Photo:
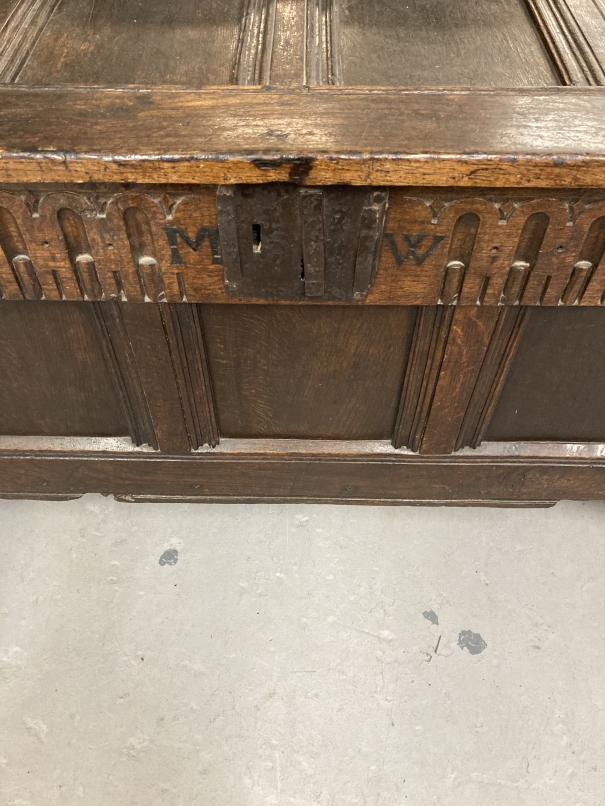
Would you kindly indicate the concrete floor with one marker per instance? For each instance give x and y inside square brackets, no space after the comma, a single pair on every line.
[164,655]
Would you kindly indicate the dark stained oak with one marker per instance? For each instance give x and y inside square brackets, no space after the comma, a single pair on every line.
[303,250]
[555,390]
[131,42]
[389,480]
[315,373]
[283,242]
[573,32]
[53,377]
[527,138]
[428,43]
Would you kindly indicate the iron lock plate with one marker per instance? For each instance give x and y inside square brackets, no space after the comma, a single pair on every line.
[285,242]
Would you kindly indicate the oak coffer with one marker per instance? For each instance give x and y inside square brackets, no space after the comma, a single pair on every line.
[303,250]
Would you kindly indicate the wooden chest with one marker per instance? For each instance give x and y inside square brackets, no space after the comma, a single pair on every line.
[303,250]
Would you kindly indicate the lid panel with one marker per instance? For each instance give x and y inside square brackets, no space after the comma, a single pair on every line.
[430,43]
[186,43]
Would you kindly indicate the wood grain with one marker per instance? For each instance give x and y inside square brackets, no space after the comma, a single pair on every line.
[121,362]
[468,312]
[288,44]
[145,336]
[317,372]
[20,31]
[529,138]
[386,480]
[555,388]
[429,43]
[463,358]
[569,41]
[187,43]
[54,378]
[185,338]
[451,349]
[499,357]
[431,332]
[323,56]
[254,45]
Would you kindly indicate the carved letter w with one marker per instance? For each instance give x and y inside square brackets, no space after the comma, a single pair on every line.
[174,233]
[413,242]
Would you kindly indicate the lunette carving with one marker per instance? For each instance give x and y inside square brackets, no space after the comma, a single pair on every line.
[524,251]
[164,245]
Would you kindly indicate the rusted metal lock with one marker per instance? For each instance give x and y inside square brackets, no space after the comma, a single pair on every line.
[284,242]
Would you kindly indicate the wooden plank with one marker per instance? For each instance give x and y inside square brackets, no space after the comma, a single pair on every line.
[288,44]
[323,57]
[459,361]
[496,365]
[124,372]
[183,328]
[469,338]
[54,380]
[387,480]
[590,16]
[533,138]
[560,453]
[450,350]
[431,332]
[254,43]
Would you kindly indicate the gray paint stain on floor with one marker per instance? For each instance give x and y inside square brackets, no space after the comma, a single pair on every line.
[169,557]
[431,616]
[471,641]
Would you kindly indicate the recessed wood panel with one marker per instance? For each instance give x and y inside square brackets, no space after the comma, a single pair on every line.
[188,43]
[555,389]
[53,376]
[491,43]
[321,372]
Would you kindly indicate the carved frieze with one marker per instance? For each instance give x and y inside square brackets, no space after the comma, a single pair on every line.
[166,245]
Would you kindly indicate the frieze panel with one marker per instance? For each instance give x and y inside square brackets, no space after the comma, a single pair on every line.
[128,246]
[503,251]
[162,245]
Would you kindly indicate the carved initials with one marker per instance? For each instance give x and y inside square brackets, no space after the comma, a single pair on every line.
[413,241]
[174,233]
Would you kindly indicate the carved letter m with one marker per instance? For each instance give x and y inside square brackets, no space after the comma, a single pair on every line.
[174,233]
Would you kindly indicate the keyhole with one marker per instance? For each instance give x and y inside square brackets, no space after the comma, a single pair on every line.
[302,269]
[256,238]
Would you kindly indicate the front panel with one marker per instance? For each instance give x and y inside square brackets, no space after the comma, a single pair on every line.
[320,250]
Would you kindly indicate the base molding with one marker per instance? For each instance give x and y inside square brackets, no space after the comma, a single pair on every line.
[401,502]
[505,476]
